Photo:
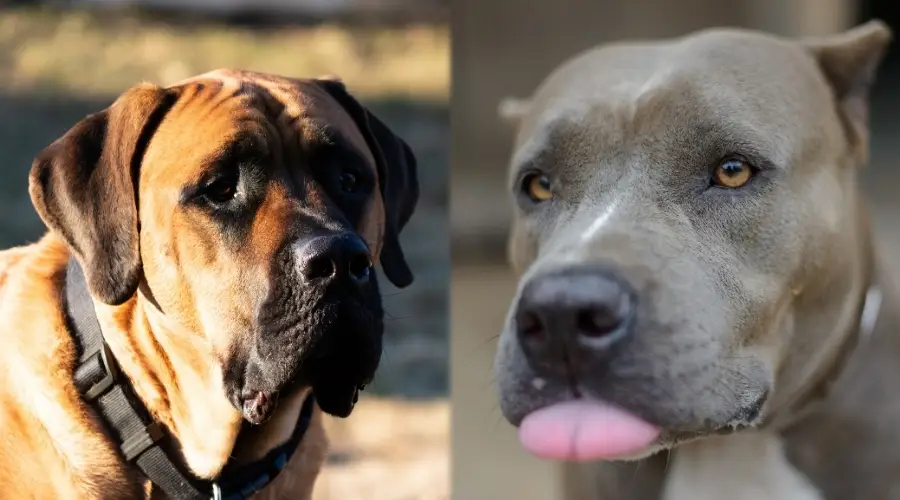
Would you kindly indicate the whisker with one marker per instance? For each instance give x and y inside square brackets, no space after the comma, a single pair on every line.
[400,318]
[637,469]
[488,387]
[499,420]
[487,343]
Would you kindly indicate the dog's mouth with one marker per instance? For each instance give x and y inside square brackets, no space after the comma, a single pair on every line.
[336,381]
[337,389]
[327,340]
[342,365]
[258,406]
[579,428]
[586,429]
[339,403]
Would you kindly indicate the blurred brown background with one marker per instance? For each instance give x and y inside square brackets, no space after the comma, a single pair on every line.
[60,60]
[504,48]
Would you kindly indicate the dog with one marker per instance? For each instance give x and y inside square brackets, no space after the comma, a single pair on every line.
[221,233]
[699,311]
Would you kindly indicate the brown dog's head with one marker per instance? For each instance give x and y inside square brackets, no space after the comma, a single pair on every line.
[248,209]
[690,236]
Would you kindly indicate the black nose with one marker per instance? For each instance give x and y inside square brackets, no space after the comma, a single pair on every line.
[334,257]
[573,316]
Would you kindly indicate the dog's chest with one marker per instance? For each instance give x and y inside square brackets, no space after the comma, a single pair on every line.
[849,447]
[745,466]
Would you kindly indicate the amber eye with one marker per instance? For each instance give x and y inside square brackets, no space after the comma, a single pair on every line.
[537,187]
[732,173]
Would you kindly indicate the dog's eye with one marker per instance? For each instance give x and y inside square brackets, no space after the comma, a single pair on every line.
[349,181]
[222,189]
[537,187]
[732,173]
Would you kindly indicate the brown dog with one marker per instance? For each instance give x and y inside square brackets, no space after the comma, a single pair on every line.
[226,228]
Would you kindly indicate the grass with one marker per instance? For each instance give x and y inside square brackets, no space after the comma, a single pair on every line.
[91,54]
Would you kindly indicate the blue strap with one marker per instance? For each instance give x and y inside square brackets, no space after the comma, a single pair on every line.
[241,484]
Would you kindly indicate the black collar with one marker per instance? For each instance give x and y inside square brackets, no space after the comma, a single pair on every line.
[143,442]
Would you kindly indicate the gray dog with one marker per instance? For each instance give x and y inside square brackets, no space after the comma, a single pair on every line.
[699,292]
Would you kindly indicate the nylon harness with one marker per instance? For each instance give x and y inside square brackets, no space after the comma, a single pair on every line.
[144,443]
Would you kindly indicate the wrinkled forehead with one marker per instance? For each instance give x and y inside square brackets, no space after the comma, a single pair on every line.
[225,110]
[715,86]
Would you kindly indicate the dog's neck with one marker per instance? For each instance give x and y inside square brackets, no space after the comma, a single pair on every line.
[175,374]
[700,469]
[828,328]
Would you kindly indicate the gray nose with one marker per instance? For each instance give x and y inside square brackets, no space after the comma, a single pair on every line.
[335,257]
[573,317]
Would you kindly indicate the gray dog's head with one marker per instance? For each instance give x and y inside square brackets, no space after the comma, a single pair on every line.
[683,208]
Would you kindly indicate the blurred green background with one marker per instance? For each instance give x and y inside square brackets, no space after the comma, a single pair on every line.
[57,64]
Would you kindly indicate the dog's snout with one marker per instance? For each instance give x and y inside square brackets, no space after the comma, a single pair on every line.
[573,315]
[341,256]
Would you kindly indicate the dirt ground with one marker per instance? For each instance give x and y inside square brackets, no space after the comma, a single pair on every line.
[389,450]
[55,68]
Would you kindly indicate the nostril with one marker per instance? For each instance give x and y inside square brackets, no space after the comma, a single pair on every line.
[360,267]
[319,267]
[531,326]
[571,322]
[340,257]
[597,322]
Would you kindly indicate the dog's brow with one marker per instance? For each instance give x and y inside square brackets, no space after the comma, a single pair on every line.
[328,141]
[553,132]
[325,135]
[725,142]
[531,154]
[243,147]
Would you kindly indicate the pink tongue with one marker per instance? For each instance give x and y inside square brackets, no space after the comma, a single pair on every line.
[585,430]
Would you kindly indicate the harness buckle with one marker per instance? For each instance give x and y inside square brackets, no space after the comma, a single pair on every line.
[109,378]
[139,442]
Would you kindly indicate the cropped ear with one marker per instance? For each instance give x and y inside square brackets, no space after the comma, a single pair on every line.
[849,61]
[397,178]
[84,187]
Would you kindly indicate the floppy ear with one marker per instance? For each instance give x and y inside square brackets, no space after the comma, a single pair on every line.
[397,178]
[849,61]
[84,187]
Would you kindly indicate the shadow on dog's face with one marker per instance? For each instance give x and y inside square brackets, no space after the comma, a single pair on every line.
[262,205]
[671,201]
